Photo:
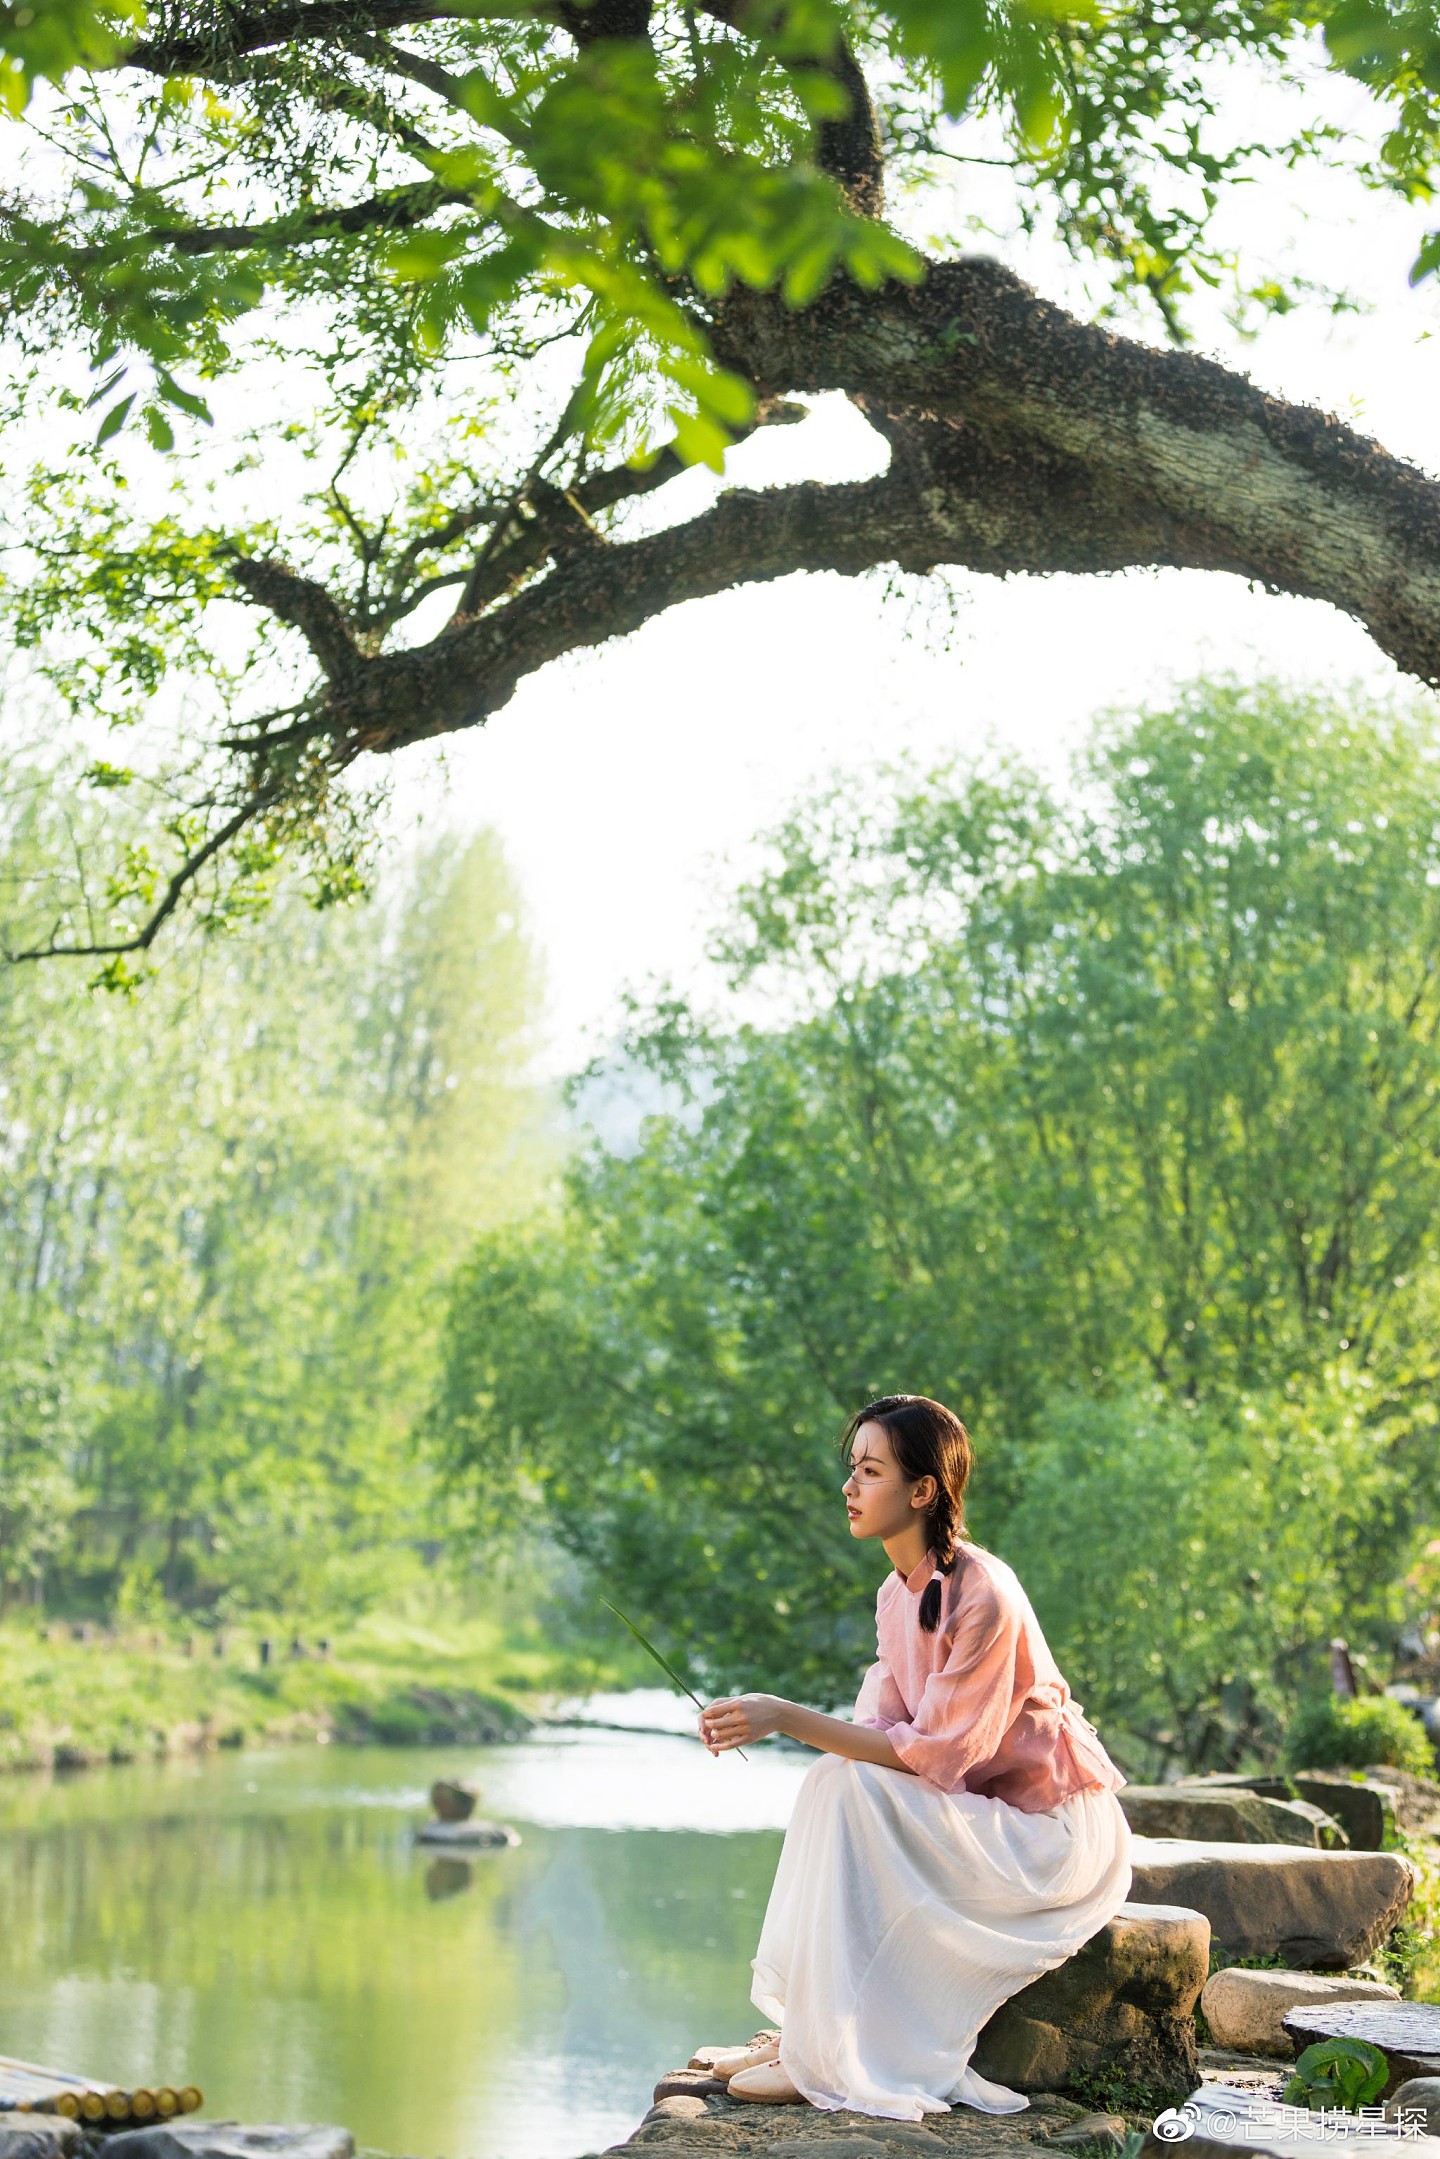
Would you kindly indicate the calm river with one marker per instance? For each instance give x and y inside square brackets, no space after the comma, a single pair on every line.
[262,1925]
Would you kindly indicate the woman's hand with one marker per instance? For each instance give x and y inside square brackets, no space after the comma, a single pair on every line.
[738,1718]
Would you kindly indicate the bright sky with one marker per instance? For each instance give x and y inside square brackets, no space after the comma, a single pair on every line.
[628,782]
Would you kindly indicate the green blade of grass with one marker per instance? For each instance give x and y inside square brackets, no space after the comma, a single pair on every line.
[668,1669]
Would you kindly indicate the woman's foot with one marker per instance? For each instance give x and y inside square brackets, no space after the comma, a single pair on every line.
[736,2059]
[767,2086]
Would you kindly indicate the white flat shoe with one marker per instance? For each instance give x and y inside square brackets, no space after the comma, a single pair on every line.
[738,2059]
[766,2086]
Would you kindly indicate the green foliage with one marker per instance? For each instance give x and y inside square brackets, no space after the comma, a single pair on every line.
[426,277]
[1355,1734]
[1111,1123]
[1407,1957]
[226,1208]
[1112,2090]
[385,1680]
[48,39]
[1346,2073]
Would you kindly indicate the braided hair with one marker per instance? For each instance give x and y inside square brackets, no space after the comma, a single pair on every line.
[928,1440]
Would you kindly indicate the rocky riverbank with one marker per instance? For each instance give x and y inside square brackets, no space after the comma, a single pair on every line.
[1267,1932]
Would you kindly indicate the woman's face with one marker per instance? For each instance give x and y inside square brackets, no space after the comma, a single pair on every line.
[880,1499]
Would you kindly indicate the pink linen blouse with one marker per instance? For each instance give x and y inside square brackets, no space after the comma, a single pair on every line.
[979,1705]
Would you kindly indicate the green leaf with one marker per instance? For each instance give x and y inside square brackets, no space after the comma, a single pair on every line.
[97,397]
[114,420]
[716,390]
[699,440]
[184,400]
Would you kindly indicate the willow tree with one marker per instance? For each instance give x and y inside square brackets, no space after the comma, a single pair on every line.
[464,287]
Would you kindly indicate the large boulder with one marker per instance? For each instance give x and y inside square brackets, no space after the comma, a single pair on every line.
[1227,1817]
[1245,2009]
[1323,1911]
[1125,2000]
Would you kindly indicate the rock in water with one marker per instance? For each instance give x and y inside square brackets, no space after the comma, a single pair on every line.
[38,2136]
[1126,2001]
[453,1798]
[467,1836]
[1244,2009]
[229,2140]
[1322,1911]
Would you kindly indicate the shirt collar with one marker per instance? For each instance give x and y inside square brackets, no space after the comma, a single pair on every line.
[917,1580]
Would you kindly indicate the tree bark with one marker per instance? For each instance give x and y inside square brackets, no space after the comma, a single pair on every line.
[1021,440]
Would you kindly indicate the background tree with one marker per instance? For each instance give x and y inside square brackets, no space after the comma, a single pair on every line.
[465,288]
[225,1212]
[1116,1123]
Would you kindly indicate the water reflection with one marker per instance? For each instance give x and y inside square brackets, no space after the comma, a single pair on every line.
[263,1925]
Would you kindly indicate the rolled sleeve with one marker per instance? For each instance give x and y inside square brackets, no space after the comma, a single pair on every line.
[968,1705]
[879,1702]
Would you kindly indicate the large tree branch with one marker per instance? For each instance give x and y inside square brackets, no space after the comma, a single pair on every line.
[242,30]
[1021,440]
[1051,444]
[540,521]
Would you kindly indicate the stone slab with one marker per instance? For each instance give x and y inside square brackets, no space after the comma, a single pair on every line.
[38,2136]
[230,2140]
[1245,2009]
[732,2130]
[1324,1911]
[1407,2033]
[1228,1815]
[1365,1803]
[1368,1807]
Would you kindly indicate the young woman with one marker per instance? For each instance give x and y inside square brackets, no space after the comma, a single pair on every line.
[962,1835]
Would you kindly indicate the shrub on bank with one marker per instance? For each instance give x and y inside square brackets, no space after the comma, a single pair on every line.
[1330,1731]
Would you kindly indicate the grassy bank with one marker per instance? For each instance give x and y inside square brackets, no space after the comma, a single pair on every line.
[67,1701]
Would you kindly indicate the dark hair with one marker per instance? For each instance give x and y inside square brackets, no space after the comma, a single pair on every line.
[928,1440]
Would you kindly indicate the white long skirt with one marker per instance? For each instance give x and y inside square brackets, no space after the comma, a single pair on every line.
[901,1918]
